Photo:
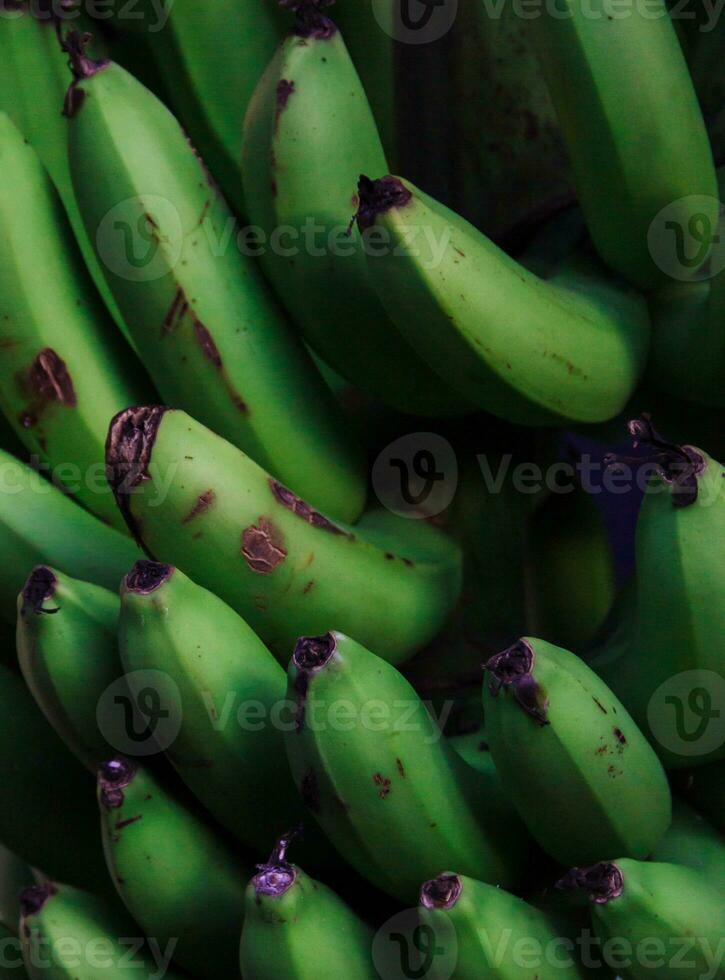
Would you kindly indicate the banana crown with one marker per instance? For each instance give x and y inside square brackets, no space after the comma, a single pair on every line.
[603,882]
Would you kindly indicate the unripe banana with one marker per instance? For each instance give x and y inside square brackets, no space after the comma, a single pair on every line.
[625,118]
[483,931]
[705,789]
[176,876]
[670,919]
[692,842]
[529,350]
[64,372]
[389,793]
[40,525]
[68,654]
[69,934]
[580,773]
[46,798]
[308,132]
[229,748]
[207,327]
[33,81]
[679,624]
[199,503]
[297,927]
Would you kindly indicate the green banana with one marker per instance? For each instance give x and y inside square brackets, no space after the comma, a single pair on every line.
[39,524]
[680,619]
[657,920]
[205,323]
[46,798]
[705,789]
[176,876]
[229,752]
[308,131]
[68,654]
[33,81]
[691,841]
[627,108]
[297,927]
[68,934]
[529,350]
[391,796]
[199,503]
[570,758]
[688,338]
[63,371]
[571,573]
[476,930]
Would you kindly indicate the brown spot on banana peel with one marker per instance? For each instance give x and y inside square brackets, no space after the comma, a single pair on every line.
[298,506]
[208,348]
[263,547]
[603,882]
[40,585]
[202,504]
[512,669]
[679,466]
[285,89]
[383,784]
[113,777]
[46,382]
[75,45]
[130,443]
[176,312]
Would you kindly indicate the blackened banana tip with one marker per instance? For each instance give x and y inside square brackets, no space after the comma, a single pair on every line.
[310,20]
[441,893]
[147,576]
[75,45]
[512,669]
[603,882]
[276,876]
[378,196]
[314,652]
[113,776]
[33,898]
[130,442]
[40,586]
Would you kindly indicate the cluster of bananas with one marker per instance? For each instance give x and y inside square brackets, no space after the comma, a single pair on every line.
[237,522]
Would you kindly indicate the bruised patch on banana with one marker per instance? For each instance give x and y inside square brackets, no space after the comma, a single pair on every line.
[40,586]
[298,506]
[285,89]
[130,442]
[263,546]
[203,503]
[603,882]
[113,777]
[512,669]
[33,898]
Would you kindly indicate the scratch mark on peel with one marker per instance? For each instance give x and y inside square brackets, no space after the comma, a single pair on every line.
[203,503]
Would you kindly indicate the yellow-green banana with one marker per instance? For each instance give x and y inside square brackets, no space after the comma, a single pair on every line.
[693,842]
[206,325]
[68,654]
[70,934]
[64,372]
[580,773]
[308,132]
[476,930]
[530,350]
[33,81]
[199,503]
[39,524]
[229,748]
[297,927]
[669,673]
[175,874]
[372,767]
[46,798]
[627,108]
[657,921]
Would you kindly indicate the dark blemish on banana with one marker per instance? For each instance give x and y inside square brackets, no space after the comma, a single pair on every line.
[600,705]
[285,88]
[47,382]
[383,785]
[176,313]
[203,503]
[400,767]
[298,506]
[208,348]
[126,823]
[263,547]
[309,586]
